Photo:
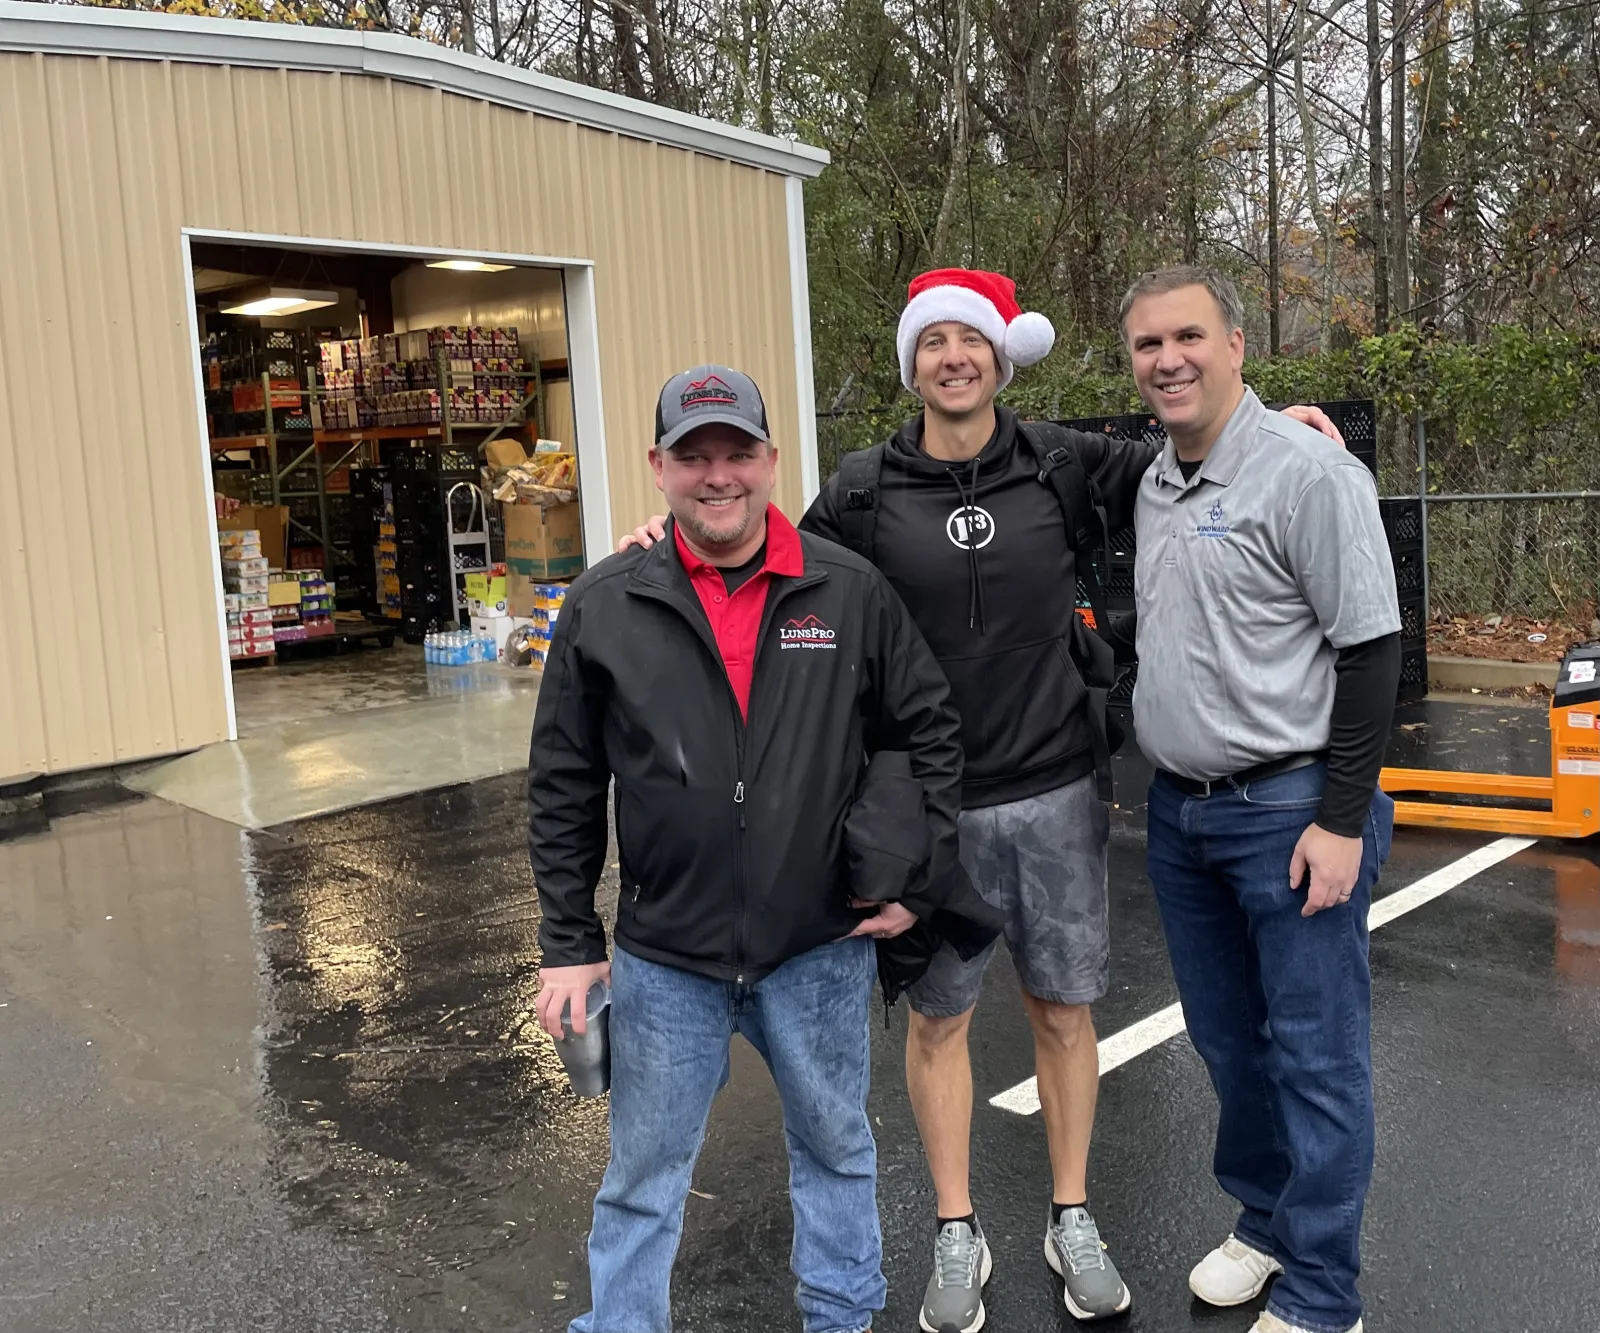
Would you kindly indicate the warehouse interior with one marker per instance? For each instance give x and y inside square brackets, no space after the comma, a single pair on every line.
[375,424]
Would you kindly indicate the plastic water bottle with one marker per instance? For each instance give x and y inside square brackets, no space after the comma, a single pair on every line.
[430,652]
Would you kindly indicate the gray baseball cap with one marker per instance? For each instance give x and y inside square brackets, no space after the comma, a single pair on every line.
[706,396]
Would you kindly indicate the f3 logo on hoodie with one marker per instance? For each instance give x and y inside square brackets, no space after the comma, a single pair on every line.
[970,527]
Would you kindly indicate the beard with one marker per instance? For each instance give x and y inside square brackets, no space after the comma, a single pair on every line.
[708,536]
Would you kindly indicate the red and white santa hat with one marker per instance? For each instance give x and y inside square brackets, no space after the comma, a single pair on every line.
[983,301]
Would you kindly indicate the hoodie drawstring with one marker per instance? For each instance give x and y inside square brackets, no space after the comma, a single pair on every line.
[975,618]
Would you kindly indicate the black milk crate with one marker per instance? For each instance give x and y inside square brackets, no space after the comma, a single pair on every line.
[1124,544]
[1413,619]
[1408,573]
[1129,425]
[1413,675]
[1119,585]
[1402,521]
[1357,420]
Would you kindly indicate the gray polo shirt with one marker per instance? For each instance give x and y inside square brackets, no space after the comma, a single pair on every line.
[1250,577]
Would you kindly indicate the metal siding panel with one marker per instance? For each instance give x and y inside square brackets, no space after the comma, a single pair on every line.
[374,161]
[514,170]
[424,167]
[624,374]
[475,185]
[264,143]
[116,509]
[322,155]
[563,196]
[73,689]
[171,537]
[204,123]
[24,747]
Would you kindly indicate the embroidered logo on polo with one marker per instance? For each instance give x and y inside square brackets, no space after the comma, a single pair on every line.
[970,527]
[809,632]
[1216,524]
[703,393]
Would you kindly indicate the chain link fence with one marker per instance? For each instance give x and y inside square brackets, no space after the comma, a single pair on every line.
[1513,528]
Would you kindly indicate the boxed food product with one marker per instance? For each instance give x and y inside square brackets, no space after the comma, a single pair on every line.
[543,542]
[244,566]
[486,593]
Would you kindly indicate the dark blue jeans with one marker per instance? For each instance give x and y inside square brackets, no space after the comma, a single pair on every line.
[670,1032]
[1279,1006]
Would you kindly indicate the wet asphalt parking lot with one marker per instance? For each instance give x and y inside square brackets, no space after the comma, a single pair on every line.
[289,1080]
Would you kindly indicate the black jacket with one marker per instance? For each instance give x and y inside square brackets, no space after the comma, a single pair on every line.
[978,551]
[733,855]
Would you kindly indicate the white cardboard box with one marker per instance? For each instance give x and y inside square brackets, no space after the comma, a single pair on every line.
[496,627]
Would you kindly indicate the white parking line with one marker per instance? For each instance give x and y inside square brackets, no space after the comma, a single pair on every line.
[1147,1033]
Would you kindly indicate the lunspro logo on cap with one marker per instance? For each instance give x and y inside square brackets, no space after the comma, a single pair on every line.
[709,395]
[703,393]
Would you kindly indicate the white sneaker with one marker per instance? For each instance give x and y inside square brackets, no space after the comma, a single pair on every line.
[1270,1323]
[1233,1274]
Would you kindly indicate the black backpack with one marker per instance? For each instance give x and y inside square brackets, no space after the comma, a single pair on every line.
[1083,512]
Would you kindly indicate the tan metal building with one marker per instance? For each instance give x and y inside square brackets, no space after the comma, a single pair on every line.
[127,136]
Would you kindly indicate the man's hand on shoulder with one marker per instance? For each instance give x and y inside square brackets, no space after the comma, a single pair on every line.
[1333,863]
[1317,419]
[646,534]
[561,986]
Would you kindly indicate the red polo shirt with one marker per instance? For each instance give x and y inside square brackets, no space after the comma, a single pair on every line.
[736,617]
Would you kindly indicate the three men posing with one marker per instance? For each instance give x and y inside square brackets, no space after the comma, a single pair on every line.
[966,533]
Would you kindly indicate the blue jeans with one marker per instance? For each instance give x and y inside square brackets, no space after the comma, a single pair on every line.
[1279,1006]
[670,1035]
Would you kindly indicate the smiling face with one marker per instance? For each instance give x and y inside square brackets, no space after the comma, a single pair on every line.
[717,481]
[957,374]
[1186,362]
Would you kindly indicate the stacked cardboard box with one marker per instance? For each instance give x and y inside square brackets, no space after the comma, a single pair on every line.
[283,595]
[316,603]
[244,580]
[393,379]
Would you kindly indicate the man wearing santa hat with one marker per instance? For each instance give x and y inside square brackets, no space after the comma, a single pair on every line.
[958,513]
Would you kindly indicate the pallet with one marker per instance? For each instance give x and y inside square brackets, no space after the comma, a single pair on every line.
[253,660]
[341,641]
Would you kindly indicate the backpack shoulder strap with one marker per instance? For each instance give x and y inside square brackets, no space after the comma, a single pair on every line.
[1061,468]
[859,472]
[1088,533]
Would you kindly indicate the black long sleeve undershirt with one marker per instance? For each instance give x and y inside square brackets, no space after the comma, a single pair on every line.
[1363,711]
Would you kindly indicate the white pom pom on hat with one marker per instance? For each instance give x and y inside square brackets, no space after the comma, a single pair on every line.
[981,300]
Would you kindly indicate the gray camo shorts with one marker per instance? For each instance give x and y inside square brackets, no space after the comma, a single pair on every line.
[1042,862]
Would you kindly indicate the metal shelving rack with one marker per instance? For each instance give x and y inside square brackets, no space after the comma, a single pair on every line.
[441,433]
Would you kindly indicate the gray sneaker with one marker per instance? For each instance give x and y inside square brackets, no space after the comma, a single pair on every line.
[953,1302]
[1073,1248]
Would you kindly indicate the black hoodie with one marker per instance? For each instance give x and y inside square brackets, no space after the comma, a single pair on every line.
[978,552]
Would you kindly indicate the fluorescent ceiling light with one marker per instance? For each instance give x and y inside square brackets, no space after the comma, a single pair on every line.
[281,301]
[468,265]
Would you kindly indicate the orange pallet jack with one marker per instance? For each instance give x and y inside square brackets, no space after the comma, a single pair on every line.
[1572,790]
